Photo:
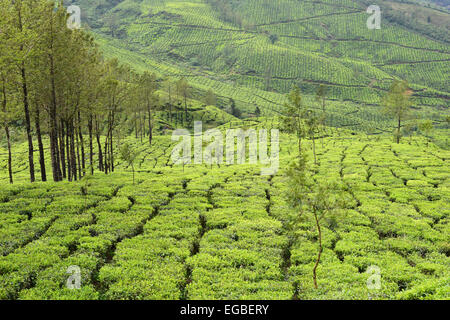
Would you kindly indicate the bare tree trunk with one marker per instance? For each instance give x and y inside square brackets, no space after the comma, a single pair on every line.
[73,159]
[80,134]
[150,128]
[62,147]
[54,147]
[57,157]
[143,130]
[54,153]
[106,153]
[398,130]
[108,144]
[9,155]
[77,143]
[111,151]
[69,160]
[26,106]
[320,250]
[91,147]
[40,144]
[28,123]
[111,148]
[100,153]
[11,180]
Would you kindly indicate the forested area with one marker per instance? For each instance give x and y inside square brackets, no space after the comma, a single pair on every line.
[55,82]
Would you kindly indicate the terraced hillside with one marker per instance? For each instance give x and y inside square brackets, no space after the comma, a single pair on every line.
[367,210]
[255,50]
[200,232]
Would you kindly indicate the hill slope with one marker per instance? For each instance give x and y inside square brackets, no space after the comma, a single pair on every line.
[197,232]
[272,45]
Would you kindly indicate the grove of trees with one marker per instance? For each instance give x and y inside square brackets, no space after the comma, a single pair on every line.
[55,82]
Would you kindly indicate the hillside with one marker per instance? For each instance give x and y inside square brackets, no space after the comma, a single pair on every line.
[200,232]
[255,51]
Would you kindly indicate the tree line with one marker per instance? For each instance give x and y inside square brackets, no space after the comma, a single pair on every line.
[55,81]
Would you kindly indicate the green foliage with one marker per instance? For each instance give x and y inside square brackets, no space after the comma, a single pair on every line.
[128,154]
[229,233]
[226,232]
[397,103]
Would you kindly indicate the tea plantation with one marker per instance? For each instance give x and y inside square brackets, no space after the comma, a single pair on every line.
[224,232]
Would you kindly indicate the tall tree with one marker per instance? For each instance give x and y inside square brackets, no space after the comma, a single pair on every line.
[25,19]
[314,201]
[37,124]
[292,116]
[168,85]
[147,83]
[184,90]
[115,88]
[397,103]
[53,43]
[5,115]
[7,76]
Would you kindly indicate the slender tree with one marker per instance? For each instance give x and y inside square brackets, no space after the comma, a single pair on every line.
[397,104]
[147,84]
[129,154]
[4,116]
[7,77]
[426,127]
[184,90]
[311,126]
[24,20]
[292,116]
[314,201]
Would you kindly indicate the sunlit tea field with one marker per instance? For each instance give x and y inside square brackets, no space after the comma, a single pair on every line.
[223,232]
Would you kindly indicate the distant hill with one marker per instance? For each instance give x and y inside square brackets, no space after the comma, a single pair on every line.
[443,3]
[255,50]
